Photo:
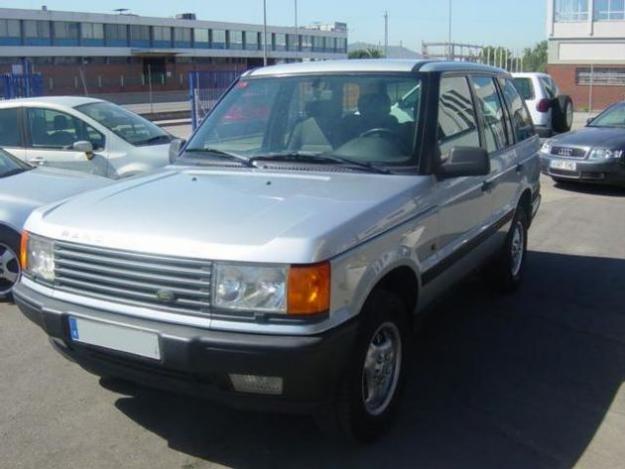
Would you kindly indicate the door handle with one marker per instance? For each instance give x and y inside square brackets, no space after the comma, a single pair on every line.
[37,160]
[487,186]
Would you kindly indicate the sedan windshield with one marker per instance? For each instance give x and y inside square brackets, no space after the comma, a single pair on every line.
[363,121]
[9,165]
[127,125]
[612,117]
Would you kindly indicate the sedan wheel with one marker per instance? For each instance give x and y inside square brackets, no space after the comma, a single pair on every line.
[9,270]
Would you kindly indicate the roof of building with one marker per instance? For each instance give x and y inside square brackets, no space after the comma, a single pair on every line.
[371,65]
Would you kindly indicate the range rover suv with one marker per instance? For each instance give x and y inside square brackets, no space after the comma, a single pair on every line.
[281,262]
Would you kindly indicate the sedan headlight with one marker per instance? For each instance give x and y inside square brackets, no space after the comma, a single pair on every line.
[605,154]
[546,148]
[293,290]
[37,257]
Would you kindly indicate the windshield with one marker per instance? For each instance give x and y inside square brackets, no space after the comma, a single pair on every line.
[612,117]
[127,125]
[9,165]
[360,119]
[524,87]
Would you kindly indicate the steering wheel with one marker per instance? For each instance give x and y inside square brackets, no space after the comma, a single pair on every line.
[382,132]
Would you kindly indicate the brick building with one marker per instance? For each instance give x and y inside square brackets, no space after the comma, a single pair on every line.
[112,53]
[587,50]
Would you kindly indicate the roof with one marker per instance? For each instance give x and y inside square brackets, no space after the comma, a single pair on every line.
[371,65]
[67,101]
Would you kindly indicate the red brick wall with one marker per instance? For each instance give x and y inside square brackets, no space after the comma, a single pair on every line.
[602,96]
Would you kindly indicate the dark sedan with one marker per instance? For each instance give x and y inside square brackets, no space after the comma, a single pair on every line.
[595,153]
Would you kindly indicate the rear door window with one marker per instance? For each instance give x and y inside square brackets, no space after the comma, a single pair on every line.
[519,115]
[492,109]
[457,123]
[9,128]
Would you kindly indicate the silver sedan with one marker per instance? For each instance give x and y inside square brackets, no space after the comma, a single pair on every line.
[22,189]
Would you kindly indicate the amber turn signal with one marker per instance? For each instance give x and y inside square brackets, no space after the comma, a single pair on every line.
[24,250]
[309,289]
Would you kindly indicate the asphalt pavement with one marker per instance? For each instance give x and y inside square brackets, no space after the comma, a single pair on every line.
[533,380]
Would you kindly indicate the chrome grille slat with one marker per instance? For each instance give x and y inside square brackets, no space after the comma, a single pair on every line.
[73,266]
[159,282]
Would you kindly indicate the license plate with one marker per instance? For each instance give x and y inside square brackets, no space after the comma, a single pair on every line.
[563,165]
[115,337]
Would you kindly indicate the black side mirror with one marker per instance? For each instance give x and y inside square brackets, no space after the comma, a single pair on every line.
[590,120]
[174,148]
[465,161]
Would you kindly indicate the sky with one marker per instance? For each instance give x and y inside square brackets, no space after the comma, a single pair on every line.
[511,23]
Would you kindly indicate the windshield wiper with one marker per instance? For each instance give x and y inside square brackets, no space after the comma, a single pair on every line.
[319,158]
[226,154]
[156,138]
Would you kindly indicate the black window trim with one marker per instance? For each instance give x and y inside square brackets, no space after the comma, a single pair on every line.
[27,141]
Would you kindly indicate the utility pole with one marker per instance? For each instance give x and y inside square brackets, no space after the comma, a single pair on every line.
[450,53]
[296,28]
[265,33]
[386,34]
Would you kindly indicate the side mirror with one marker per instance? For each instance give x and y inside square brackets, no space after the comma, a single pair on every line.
[590,120]
[174,148]
[84,147]
[465,161]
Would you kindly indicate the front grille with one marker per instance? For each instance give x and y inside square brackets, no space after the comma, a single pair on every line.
[569,152]
[160,282]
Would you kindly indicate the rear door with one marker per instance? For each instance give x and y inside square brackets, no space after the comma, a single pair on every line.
[504,178]
[51,135]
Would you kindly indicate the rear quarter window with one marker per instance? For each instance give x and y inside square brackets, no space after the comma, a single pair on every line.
[9,128]
[525,88]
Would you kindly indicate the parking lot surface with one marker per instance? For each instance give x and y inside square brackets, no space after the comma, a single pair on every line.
[531,380]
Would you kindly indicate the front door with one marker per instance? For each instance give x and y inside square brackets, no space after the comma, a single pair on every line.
[51,135]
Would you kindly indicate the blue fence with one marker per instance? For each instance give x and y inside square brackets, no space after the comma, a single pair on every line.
[20,86]
[205,89]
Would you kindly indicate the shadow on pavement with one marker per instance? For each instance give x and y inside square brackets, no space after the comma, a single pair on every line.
[520,381]
[591,189]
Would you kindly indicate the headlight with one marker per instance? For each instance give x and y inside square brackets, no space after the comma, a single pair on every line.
[293,290]
[252,288]
[546,148]
[37,257]
[605,154]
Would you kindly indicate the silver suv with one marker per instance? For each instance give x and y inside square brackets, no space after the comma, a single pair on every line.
[281,261]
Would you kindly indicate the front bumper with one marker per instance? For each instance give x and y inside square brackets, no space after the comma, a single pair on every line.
[606,172]
[198,361]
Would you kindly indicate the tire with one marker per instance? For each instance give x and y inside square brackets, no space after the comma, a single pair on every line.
[562,114]
[505,272]
[357,414]
[9,261]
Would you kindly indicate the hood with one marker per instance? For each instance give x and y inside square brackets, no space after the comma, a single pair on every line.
[22,193]
[592,137]
[239,214]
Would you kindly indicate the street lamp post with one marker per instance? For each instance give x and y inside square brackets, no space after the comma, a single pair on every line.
[449,32]
[265,33]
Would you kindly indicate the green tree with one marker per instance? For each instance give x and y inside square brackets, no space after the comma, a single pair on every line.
[369,53]
[535,59]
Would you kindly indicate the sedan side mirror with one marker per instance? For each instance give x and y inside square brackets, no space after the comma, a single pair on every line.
[174,148]
[465,161]
[85,147]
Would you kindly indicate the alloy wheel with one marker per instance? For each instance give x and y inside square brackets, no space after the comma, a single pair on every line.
[9,269]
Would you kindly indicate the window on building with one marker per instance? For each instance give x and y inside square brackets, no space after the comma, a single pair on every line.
[571,10]
[37,30]
[92,33]
[116,34]
[293,42]
[341,45]
[65,33]
[201,37]
[600,76]
[10,32]
[182,37]
[161,35]
[279,41]
[218,38]
[139,35]
[251,40]
[306,42]
[606,10]
[318,43]
[235,39]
